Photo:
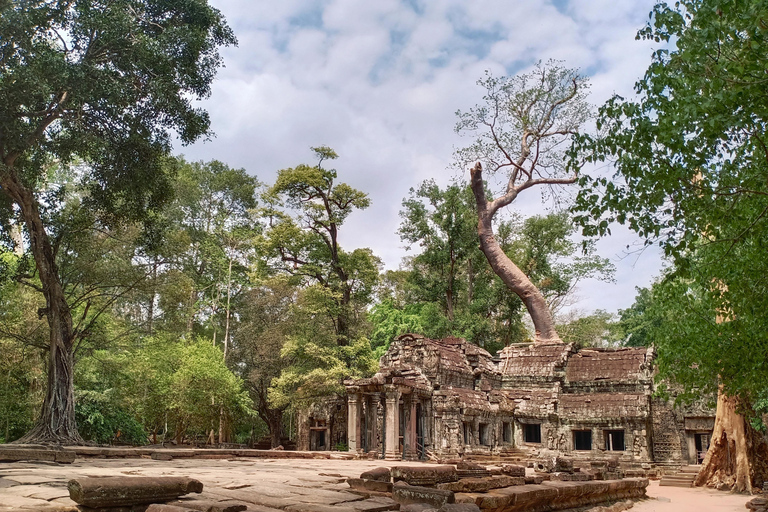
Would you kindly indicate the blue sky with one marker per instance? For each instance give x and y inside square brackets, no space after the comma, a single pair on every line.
[380,82]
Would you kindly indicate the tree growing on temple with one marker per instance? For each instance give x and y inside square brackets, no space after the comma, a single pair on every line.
[104,84]
[522,131]
[690,158]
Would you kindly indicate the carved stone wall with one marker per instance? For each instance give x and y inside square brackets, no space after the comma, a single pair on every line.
[449,398]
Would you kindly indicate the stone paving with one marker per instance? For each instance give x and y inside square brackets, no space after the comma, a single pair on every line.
[266,485]
[293,485]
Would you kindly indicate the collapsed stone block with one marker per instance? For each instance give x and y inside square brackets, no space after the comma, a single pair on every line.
[369,485]
[405,494]
[459,507]
[168,508]
[121,491]
[534,479]
[417,507]
[513,470]
[378,474]
[757,504]
[424,475]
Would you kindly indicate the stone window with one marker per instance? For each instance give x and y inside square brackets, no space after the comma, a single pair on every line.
[532,433]
[467,431]
[614,440]
[582,439]
[485,438]
[506,432]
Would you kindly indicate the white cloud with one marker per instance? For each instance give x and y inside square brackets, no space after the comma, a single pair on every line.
[380,82]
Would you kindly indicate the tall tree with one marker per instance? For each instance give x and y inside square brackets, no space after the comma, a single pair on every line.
[691,160]
[448,288]
[106,83]
[305,211]
[521,131]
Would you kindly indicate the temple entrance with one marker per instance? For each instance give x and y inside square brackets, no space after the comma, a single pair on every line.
[701,441]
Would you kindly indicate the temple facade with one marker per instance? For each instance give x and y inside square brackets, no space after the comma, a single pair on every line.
[449,398]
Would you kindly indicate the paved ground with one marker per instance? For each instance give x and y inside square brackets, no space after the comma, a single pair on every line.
[269,484]
[677,499]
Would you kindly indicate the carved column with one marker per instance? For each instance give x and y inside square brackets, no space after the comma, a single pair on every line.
[372,406]
[392,415]
[409,436]
[353,421]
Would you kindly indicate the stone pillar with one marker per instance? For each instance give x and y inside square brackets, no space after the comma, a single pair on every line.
[373,423]
[392,415]
[353,421]
[409,436]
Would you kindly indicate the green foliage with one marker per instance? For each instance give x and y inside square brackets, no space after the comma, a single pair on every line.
[202,386]
[594,330]
[448,288]
[100,420]
[317,364]
[325,338]
[635,324]
[105,83]
[690,175]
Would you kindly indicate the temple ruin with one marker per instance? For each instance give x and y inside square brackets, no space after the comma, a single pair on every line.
[449,398]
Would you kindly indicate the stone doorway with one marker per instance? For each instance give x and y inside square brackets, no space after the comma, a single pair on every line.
[701,442]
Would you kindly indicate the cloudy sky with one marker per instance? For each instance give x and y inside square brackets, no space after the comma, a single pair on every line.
[380,82]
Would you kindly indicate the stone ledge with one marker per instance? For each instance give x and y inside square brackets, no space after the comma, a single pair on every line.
[555,495]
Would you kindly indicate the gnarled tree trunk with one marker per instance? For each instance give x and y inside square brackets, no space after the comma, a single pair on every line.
[56,423]
[505,268]
[737,458]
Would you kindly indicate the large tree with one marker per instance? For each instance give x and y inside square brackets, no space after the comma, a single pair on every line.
[522,130]
[448,288]
[691,161]
[105,83]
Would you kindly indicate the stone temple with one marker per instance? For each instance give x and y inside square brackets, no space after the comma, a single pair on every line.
[448,398]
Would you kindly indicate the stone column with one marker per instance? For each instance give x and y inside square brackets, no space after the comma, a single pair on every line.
[373,423]
[353,421]
[409,436]
[392,415]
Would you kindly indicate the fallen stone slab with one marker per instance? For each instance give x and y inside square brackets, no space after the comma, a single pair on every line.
[551,496]
[757,504]
[16,454]
[482,484]
[317,507]
[417,507]
[209,506]
[123,490]
[168,508]
[424,475]
[405,494]
[513,470]
[378,474]
[459,507]
[369,485]
[374,505]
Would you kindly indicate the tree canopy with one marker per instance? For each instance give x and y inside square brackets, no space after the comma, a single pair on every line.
[690,159]
[104,85]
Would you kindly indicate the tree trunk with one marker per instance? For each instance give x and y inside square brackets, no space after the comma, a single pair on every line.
[505,268]
[737,458]
[56,423]
[276,427]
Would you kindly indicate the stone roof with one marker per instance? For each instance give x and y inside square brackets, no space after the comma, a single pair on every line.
[531,401]
[588,365]
[534,360]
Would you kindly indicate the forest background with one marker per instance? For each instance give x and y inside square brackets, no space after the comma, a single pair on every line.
[203,301]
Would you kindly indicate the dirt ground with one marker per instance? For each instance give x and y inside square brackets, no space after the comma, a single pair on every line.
[677,499]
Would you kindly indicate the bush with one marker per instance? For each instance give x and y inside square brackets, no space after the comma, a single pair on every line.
[101,421]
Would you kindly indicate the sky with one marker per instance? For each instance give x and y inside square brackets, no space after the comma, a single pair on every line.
[380,83]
